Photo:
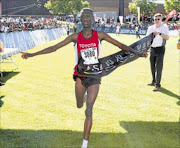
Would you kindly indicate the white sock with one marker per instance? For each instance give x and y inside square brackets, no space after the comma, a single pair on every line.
[84,144]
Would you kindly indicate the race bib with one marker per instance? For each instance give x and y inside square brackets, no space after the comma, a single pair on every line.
[89,56]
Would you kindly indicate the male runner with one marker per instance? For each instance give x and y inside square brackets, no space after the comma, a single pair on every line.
[87,43]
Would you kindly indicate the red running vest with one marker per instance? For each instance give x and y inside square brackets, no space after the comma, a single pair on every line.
[88,48]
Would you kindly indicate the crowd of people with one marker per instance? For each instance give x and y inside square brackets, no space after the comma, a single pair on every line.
[133,25]
[29,23]
[14,24]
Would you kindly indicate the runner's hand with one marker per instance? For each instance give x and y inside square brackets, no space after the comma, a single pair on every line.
[26,55]
[143,54]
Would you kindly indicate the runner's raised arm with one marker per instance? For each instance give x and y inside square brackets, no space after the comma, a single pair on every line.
[106,37]
[69,39]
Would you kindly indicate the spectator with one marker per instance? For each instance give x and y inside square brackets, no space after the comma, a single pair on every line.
[6,28]
[137,31]
[161,34]
[117,29]
[75,28]
[2,27]
[68,29]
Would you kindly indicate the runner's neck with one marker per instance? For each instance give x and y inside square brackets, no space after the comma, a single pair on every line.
[87,34]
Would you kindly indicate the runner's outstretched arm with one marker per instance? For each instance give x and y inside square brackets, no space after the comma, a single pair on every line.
[106,37]
[69,39]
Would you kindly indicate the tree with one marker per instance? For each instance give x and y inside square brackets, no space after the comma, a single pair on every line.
[172,5]
[145,8]
[65,6]
[133,7]
[151,6]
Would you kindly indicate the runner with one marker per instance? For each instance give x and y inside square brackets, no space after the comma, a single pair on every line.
[87,44]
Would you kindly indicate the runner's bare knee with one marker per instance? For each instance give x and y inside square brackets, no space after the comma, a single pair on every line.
[79,105]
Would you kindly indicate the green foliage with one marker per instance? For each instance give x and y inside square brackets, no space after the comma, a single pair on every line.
[172,5]
[133,7]
[65,6]
[145,8]
[150,7]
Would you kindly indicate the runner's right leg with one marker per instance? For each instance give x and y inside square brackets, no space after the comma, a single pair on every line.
[79,91]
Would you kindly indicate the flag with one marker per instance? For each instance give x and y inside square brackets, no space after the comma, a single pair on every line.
[170,15]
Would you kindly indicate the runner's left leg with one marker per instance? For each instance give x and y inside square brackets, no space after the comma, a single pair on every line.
[92,94]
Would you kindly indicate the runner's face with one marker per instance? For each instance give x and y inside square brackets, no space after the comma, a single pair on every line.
[86,18]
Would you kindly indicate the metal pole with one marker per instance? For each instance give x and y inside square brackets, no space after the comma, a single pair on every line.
[0,7]
[121,8]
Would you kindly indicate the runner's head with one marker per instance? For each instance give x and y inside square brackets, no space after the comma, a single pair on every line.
[86,17]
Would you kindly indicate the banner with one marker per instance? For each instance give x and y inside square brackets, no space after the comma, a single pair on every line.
[108,64]
[25,40]
[113,30]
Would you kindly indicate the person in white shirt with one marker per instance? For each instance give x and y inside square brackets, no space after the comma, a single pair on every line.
[137,31]
[118,29]
[2,27]
[6,28]
[161,34]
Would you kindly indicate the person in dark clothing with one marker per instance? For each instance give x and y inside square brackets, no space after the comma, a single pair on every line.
[75,28]
[68,29]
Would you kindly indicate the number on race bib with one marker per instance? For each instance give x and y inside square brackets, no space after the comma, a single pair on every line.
[89,55]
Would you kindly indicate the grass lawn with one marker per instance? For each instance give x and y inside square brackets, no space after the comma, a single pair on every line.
[38,106]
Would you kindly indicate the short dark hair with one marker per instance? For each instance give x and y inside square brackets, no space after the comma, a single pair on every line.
[86,9]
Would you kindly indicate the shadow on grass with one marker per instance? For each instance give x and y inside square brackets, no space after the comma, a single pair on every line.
[1,102]
[137,134]
[152,134]
[169,93]
[8,75]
